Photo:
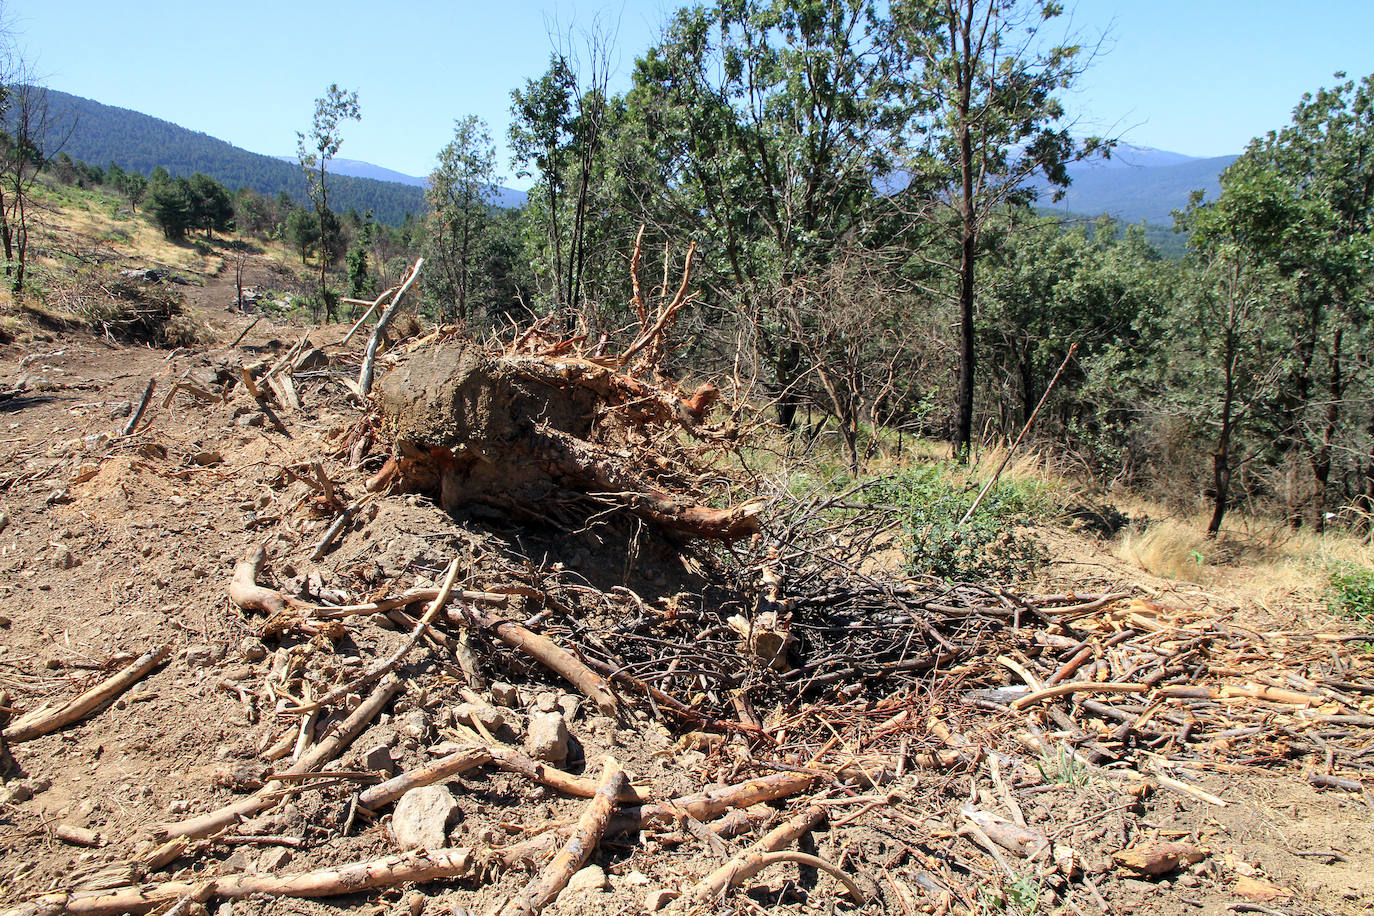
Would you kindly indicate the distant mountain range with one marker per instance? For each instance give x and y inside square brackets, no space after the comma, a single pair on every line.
[505,197]
[100,134]
[1137,184]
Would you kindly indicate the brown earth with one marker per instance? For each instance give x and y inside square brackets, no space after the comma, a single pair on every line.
[114,545]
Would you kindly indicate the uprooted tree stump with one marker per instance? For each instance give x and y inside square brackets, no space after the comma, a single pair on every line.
[546,418]
[523,430]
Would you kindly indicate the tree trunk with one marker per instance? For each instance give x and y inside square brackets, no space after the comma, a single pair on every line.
[963,425]
[1367,491]
[1221,460]
[1321,458]
[788,360]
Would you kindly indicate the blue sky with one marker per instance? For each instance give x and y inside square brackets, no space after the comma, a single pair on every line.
[1194,76]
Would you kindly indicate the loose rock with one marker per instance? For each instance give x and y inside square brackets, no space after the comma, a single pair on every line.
[589,880]
[422,818]
[547,738]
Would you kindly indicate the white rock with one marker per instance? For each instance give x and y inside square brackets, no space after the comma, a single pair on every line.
[492,719]
[589,880]
[547,738]
[422,818]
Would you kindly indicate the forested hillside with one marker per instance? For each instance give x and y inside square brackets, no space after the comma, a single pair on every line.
[1132,193]
[100,134]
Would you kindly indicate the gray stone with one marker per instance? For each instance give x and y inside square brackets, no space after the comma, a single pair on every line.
[547,738]
[491,718]
[413,724]
[589,880]
[568,704]
[503,694]
[199,656]
[273,860]
[422,818]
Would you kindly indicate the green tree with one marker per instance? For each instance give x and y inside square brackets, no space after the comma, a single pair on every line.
[170,206]
[211,206]
[314,149]
[302,232]
[1322,239]
[767,123]
[461,191]
[133,186]
[539,138]
[983,81]
[252,212]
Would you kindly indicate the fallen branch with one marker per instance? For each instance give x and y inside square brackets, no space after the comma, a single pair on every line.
[333,532]
[747,863]
[371,307]
[703,806]
[387,664]
[451,765]
[365,376]
[244,590]
[413,867]
[513,761]
[316,757]
[549,654]
[541,891]
[34,726]
[1059,690]
[142,406]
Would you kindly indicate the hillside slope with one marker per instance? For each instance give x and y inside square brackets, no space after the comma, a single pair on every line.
[100,134]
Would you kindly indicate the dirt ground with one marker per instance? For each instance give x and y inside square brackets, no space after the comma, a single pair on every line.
[113,545]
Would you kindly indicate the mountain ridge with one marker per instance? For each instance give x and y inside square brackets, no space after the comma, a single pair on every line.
[99,134]
[357,168]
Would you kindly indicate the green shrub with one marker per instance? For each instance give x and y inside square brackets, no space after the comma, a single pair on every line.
[932,500]
[1352,589]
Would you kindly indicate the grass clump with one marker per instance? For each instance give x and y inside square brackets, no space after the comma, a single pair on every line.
[932,499]
[1169,548]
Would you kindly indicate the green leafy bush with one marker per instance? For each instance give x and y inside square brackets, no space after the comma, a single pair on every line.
[932,500]
[1352,590]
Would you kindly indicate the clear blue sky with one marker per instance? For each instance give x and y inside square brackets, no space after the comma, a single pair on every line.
[1194,76]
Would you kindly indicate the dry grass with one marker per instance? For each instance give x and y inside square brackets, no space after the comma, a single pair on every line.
[1170,549]
[1257,557]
